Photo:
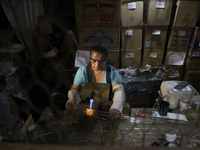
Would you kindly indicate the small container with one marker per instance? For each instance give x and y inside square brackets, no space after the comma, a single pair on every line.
[164,108]
[196,106]
[184,105]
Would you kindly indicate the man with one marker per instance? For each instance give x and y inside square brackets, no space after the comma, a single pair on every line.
[99,69]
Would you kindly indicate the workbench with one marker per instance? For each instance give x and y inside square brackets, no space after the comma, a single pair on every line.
[75,128]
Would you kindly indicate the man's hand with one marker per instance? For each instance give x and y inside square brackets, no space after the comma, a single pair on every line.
[69,106]
[114,114]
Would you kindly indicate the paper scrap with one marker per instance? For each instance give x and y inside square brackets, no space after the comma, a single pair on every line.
[129,55]
[82,58]
[181,33]
[170,116]
[153,55]
[160,5]
[132,5]
[176,58]
[156,32]
[150,43]
[128,32]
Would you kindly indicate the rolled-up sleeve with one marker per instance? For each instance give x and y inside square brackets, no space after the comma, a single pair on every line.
[115,77]
[81,76]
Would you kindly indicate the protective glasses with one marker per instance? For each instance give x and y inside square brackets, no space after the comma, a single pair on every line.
[100,61]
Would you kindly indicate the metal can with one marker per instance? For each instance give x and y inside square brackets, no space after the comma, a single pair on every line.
[184,105]
[196,106]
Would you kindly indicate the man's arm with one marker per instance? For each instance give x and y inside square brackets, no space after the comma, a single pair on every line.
[118,101]
[73,98]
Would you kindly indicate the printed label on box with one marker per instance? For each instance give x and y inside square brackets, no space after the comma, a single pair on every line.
[132,5]
[98,35]
[149,43]
[153,55]
[176,58]
[156,32]
[160,5]
[89,36]
[129,55]
[181,33]
[195,54]
[174,74]
[128,32]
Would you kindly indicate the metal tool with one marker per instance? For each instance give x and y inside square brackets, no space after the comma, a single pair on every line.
[140,115]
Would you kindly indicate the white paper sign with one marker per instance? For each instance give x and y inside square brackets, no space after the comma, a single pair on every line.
[132,5]
[176,58]
[156,32]
[153,55]
[128,32]
[149,43]
[129,55]
[195,54]
[181,33]
[160,5]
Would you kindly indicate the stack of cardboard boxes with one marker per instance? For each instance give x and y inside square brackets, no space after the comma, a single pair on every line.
[186,15]
[192,64]
[132,31]
[98,21]
[157,20]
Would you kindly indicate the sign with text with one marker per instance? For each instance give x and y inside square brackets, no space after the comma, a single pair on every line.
[97,12]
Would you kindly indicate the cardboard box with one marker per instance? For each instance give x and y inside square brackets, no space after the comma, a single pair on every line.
[195,40]
[131,37]
[197,87]
[175,57]
[192,63]
[159,12]
[153,57]
[180,37]
[155,36]
[89,36]
[132,13]
[173,73]
[27,124]
[192,76]
[97,12]
[130,57]
[187,13]
[113,58]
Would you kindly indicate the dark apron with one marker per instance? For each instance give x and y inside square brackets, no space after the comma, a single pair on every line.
[108,80]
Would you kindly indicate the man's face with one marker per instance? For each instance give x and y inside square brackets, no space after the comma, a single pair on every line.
[96,63]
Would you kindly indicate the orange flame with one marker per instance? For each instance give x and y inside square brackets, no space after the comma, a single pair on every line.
[89,112]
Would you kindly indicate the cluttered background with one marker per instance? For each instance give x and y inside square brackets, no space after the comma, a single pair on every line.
[43,43]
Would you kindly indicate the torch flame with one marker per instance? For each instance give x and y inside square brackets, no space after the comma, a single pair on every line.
[89,112]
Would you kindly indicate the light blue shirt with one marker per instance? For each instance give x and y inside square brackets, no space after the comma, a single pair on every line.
[81,76]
